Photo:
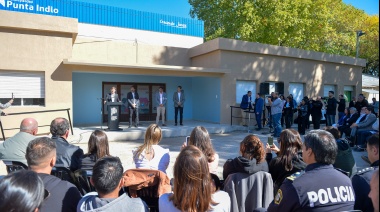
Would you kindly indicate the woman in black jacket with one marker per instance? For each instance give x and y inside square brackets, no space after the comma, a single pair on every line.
[252,158]
[289,157]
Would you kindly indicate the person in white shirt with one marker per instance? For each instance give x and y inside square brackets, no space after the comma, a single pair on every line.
[161,99]
[194,189]
[150,155]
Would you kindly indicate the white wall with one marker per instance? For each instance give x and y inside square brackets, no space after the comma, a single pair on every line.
[146,37]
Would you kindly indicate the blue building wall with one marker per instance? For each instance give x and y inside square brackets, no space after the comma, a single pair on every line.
[200,92]
[206,99]
[109,16]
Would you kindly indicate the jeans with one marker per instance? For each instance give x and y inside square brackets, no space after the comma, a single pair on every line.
[362,137]
[330,120]
[258,120]
[277,124]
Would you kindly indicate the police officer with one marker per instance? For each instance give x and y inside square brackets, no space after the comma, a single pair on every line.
[361,181]
[320,187]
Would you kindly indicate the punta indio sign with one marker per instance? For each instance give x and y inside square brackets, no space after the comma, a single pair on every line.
[28,6]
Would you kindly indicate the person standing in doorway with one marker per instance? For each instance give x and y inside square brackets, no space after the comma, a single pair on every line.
[133,105]
[179,100]
[331,109]
[259,106]
[161,99]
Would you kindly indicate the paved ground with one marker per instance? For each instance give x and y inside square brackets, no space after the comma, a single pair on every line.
[225,144]
[225,138]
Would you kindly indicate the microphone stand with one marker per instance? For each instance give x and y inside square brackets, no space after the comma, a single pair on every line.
[101,112]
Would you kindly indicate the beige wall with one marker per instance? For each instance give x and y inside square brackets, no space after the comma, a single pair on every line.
[30,42]
[265,63]
[127,52]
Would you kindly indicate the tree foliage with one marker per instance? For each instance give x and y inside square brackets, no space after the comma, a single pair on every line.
[320,25]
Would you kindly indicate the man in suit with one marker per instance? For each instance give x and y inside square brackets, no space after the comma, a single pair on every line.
[133,105]
[161,99]
[259,106]
[246,104]
[347,122]
[179,100]
[364,125]
[68,155]
[14,148]
[112,96]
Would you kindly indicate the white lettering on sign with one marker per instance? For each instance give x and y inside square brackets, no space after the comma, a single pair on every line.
[172,24]
[28,5]
[337,194]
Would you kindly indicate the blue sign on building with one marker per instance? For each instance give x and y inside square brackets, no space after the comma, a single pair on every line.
[107,15]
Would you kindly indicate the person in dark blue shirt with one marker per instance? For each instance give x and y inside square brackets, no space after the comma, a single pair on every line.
[259,106]
[320,187]
[246,104]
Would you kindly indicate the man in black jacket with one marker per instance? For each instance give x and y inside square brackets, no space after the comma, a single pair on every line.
[341,106]
[68,155]
[316,112]
[331,109]
[361,181]
[41,157]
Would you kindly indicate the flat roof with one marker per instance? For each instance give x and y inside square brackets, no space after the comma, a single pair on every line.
[193,71]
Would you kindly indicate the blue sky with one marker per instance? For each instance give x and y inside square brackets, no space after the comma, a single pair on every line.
[181,8]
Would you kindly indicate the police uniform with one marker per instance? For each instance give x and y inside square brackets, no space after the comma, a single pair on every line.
[319,188]
[360,183]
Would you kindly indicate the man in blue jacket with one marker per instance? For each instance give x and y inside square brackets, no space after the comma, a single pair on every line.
[246,104]
[259,104]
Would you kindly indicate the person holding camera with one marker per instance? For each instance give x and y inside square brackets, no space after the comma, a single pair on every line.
[3,106]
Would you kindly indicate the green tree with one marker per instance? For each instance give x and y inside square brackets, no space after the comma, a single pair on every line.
[320,25]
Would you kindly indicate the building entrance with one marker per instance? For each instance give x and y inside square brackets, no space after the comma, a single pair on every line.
[146,91]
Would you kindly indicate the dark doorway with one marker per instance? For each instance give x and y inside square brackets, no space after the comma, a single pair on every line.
[146,93]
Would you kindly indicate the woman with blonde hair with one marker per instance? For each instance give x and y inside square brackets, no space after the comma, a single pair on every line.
[251,159]
[98,147]
[193,187]
[200,138]
[150,155]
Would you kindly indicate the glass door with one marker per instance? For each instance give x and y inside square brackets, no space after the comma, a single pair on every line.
[146,91]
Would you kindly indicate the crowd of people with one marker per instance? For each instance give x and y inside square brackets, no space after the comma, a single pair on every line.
[294,167]
[314,172]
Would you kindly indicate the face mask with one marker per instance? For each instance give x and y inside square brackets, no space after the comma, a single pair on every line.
[362,113]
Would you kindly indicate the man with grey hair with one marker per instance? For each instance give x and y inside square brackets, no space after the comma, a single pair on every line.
[348,121]
[320,187]
[14,148]
[68,155]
